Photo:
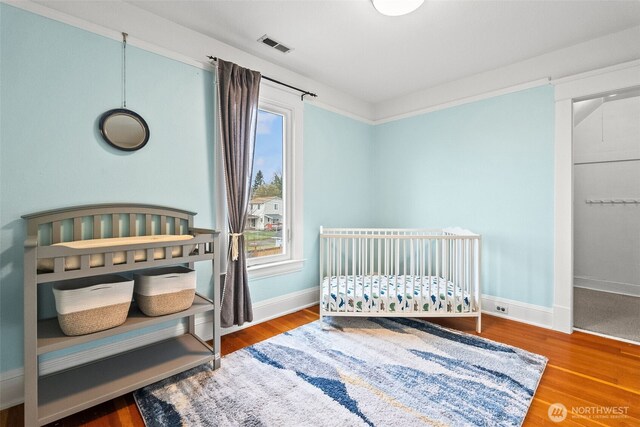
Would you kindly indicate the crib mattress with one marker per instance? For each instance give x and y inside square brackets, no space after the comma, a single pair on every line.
[119,257]
[369,293]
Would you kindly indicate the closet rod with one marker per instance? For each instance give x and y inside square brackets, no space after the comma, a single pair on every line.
[612,201]
[304,92]
[605,161]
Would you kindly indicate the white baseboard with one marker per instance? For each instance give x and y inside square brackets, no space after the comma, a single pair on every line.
[562,319]
[12,382]
[279,306]
[519,311]
[11,388]
[607,286]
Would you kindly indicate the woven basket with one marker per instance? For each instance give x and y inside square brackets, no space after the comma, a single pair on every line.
[92,304]
[90,321]
[165,290]
[159,305]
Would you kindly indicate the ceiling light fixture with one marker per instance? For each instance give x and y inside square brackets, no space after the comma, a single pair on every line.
[396,7]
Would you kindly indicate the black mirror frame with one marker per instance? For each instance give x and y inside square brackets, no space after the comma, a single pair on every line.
[128,112]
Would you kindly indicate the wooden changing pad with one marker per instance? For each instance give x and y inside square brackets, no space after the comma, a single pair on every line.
[119,257]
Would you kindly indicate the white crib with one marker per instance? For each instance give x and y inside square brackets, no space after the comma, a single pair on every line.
[400,273]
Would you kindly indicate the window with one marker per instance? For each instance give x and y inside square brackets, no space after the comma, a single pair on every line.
[273,233]
[264,229]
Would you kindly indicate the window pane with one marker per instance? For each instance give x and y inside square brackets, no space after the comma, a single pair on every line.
[265,224]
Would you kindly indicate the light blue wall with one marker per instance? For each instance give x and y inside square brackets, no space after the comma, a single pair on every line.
[486,166]
[56,80]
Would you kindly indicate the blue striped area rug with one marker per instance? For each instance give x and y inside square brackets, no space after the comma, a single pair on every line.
[355,372]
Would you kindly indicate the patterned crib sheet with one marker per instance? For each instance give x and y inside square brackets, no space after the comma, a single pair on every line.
[370,292]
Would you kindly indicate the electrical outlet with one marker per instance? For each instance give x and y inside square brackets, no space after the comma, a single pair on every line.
[502,309]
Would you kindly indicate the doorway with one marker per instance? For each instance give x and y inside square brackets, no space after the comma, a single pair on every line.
[606,214]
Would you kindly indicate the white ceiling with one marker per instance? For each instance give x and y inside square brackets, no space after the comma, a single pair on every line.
[347,45]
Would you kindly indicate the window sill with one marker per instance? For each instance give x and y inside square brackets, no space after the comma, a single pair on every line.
[275,268]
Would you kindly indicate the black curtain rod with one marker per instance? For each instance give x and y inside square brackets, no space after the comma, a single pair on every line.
[304,92]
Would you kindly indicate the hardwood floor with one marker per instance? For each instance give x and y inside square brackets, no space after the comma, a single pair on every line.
[585,372]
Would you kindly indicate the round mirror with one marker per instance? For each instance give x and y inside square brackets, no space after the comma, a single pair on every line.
[124,129]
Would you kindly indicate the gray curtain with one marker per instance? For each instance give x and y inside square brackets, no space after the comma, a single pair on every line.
[238,91]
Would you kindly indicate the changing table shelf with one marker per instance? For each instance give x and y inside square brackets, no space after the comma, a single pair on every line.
[51,338]
[67,392]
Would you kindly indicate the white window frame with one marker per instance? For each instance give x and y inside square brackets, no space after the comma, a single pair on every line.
[282,101]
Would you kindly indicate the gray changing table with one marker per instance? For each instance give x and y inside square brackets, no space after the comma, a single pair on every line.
[54,396]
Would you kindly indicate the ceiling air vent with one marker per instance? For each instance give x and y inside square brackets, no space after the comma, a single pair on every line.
[274,44]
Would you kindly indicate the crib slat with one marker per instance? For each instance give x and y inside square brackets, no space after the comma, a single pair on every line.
[452,269]
[438,271]
[363,272]
[422,266]
[353,272]
[456,272]
[430,274]
[391,270]
[97,226]
[132,225]
[372,269]
[346,269]
[328,245]
[465,271]
[362,269]
[356,264]
[56,228]
[460,284]
[455,268]
[115,225]
[163,224]
[176,226]
[465,260]
[385,261]
[148,230]
[321,270]
[472,275]
[77,228]
[330,251]
[404,281]
[341,273]
[381,246]
[447,258]
[339,267]
[472,282]
[396,269]
[330,259]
